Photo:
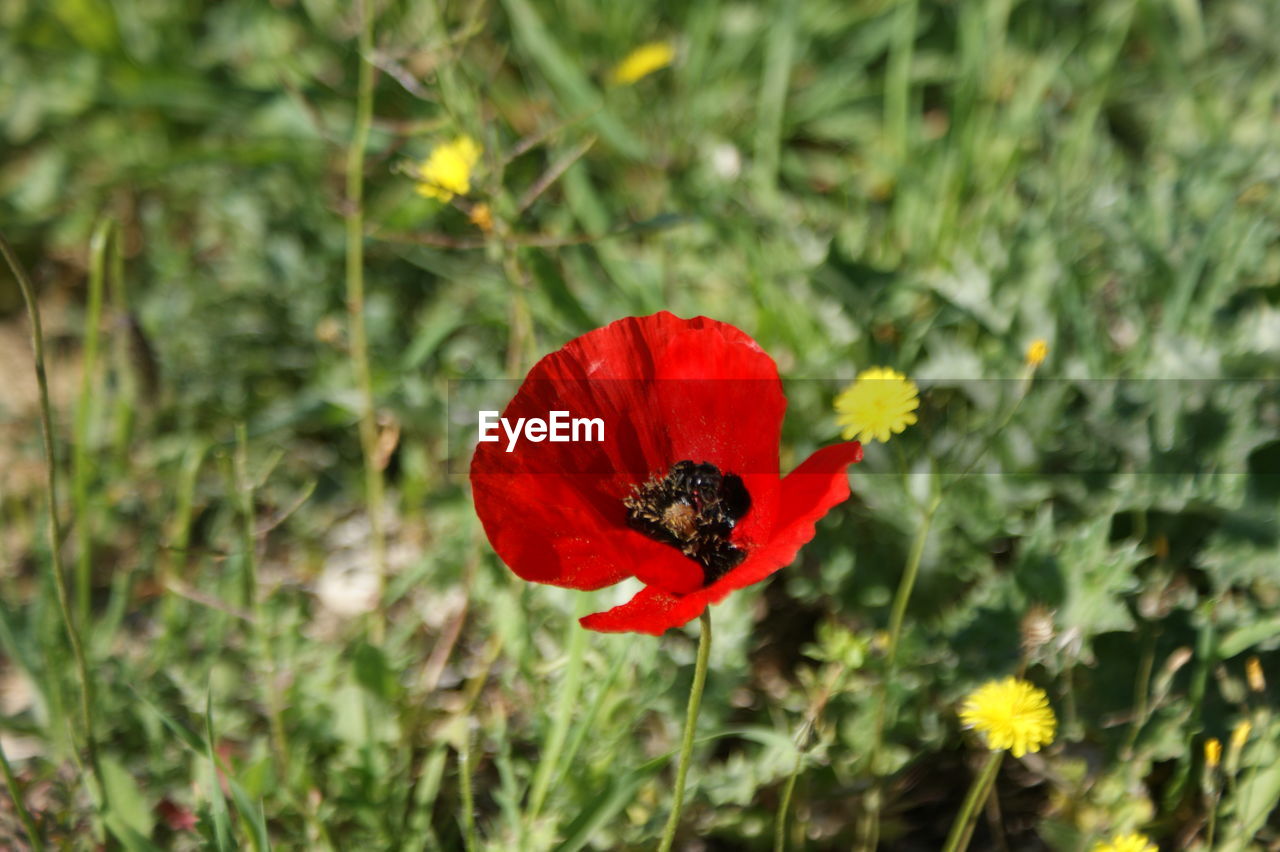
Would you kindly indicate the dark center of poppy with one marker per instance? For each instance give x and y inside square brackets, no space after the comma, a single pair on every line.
[694,508]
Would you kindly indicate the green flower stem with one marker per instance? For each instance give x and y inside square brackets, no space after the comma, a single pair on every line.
[962,828]
[908,581]
[780,824]
[55,528]
[357,334]
[15,793]
[690,722]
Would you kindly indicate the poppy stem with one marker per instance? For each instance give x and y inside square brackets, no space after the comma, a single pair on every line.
[690,722]
[962,828]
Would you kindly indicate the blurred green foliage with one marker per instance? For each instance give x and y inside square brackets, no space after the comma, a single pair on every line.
[928,186]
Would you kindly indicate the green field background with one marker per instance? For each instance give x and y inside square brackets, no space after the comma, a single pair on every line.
[924,185]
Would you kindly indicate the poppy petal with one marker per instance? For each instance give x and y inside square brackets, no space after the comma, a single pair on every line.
[667,389]
[806,495]
[570,546]
[651,611]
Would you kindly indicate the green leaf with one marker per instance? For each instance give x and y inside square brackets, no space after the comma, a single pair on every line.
[373,673]
[218,805]
[1081,575]
[1243,638]
[1257,790]
[126,801]
[620,790]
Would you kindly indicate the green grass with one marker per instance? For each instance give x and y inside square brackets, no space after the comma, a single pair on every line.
[923,185]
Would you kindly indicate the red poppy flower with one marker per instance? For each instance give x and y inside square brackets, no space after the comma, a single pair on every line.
[683,491]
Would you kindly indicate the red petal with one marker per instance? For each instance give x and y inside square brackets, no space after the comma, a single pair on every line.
[807,494]
[650,611]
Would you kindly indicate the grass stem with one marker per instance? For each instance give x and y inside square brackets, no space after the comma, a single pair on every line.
[558,735]
[80,465]
[19,804]
[357,333]
[690,723]
[54,526]
[466,771]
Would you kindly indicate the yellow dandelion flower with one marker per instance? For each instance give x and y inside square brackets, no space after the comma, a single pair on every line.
[1037,352]
[879,402]
[1126,843]
[1253,674]
[482,217]
[642,62]
[446,172]
[1010,714]
[1240,734]
[1212,752]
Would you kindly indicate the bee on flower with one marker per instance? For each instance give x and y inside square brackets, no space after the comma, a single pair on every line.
[447,170]
[1010,714]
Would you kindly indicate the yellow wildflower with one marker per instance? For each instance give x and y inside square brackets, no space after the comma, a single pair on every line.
[642,62]
[1010,714]
[1240,734]
[447,170]
[1037,352]
[1126,843]
[879,402]
[1253,674]
[1212,752]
